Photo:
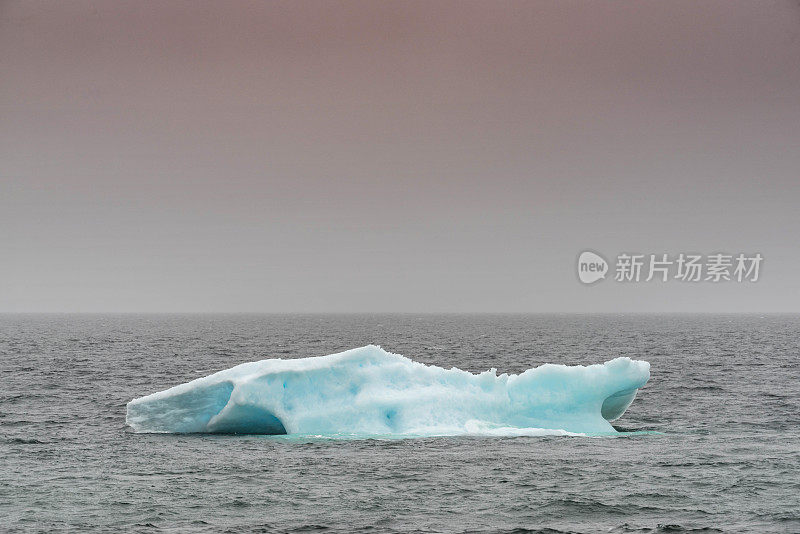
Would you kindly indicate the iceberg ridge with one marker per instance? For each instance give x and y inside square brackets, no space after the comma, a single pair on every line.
[370,392]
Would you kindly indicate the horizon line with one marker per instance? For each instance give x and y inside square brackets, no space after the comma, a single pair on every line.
[468,312]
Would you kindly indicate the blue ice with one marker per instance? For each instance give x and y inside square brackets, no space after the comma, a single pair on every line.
[370,392]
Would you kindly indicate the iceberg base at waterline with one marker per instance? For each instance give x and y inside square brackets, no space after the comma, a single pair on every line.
[370,392]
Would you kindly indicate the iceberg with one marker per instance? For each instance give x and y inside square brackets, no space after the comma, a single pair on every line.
[368,392]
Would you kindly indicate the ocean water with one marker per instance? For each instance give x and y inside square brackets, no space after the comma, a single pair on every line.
[711,443]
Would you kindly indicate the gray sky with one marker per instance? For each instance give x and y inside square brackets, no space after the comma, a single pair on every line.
[393,156]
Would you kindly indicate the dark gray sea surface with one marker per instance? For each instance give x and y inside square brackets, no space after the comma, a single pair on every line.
[711,443]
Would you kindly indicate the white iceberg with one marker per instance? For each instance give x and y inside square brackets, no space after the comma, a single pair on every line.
[370,392]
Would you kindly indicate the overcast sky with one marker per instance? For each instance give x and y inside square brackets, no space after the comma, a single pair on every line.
[393,156]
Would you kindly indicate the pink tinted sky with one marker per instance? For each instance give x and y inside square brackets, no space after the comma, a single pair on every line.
[393,156]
